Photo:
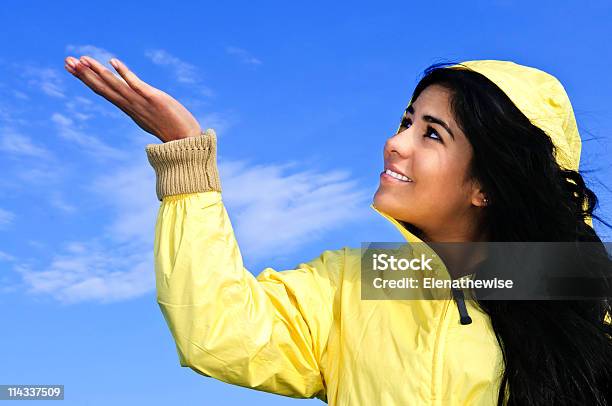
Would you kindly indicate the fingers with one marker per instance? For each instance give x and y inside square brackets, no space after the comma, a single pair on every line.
[82,69]
[140,87]
[70,65]
[116,83]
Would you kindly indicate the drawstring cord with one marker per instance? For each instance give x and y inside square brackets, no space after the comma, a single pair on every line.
[460,300]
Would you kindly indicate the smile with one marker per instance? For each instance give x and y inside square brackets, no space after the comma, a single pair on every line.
[388,173]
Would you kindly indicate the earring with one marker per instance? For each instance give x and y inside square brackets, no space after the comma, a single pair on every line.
[485,201]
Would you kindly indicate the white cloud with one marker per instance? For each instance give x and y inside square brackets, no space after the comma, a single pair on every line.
[47,80]
[20,95]
[184,72]
[6,257]
[15,143]
[37,244]
[61,120]
[243,55]
[5,116]
[97,148]
[43,176]
[75,247]
[6,217]
[92,273]
[117,266]
[276,212]
[220,122]
[83,109]
[129,192]
[56,200]
[9,116]
[205,91]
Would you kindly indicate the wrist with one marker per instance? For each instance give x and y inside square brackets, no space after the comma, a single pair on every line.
[192,134]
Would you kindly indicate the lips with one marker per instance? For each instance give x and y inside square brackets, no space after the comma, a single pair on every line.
[398,171]
[387,176]
[395,169]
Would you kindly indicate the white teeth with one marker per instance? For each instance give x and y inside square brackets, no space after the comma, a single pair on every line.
[397,175]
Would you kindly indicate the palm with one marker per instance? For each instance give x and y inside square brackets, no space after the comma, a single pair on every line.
[153,110]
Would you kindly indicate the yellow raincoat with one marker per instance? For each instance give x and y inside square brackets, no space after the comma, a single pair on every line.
[306,332]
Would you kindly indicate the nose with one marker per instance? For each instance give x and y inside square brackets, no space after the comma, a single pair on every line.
[401,144]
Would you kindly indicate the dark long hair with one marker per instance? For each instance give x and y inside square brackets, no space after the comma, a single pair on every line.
[555,352]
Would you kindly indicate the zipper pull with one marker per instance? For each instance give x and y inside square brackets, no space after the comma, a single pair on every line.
[460,300]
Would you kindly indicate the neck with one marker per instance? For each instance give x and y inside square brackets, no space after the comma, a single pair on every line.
[461,247]
[461,259]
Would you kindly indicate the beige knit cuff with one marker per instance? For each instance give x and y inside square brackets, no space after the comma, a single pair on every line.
[188,165]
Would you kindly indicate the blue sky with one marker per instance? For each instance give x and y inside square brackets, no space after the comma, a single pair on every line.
[302,97]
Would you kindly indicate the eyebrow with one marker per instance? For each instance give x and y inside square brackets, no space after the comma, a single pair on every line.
[431,119]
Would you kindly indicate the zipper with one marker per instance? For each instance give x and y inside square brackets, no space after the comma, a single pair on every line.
[459,297]
[438,353]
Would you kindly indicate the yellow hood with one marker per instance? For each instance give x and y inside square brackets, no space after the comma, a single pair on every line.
[540,97]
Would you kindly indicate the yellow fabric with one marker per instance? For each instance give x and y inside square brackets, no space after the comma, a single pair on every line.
[306,332]
[540,97]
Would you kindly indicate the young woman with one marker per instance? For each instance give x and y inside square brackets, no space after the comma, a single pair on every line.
[486,151]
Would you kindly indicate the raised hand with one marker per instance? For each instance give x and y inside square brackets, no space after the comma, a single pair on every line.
[153,110]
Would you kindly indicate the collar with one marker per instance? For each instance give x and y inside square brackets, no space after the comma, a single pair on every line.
[410,237]
[420,247]
[416,247]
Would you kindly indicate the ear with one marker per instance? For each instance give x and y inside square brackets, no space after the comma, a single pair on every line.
[478,196]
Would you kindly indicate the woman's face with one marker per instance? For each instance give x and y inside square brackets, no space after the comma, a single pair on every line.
[439,197]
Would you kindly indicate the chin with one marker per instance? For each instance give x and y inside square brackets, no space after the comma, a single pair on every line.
[389,205]
[379,200]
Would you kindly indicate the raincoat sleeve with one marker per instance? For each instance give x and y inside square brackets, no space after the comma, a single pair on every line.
[268,333]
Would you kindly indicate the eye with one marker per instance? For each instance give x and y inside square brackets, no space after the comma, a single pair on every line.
[431,133]
[405,122]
